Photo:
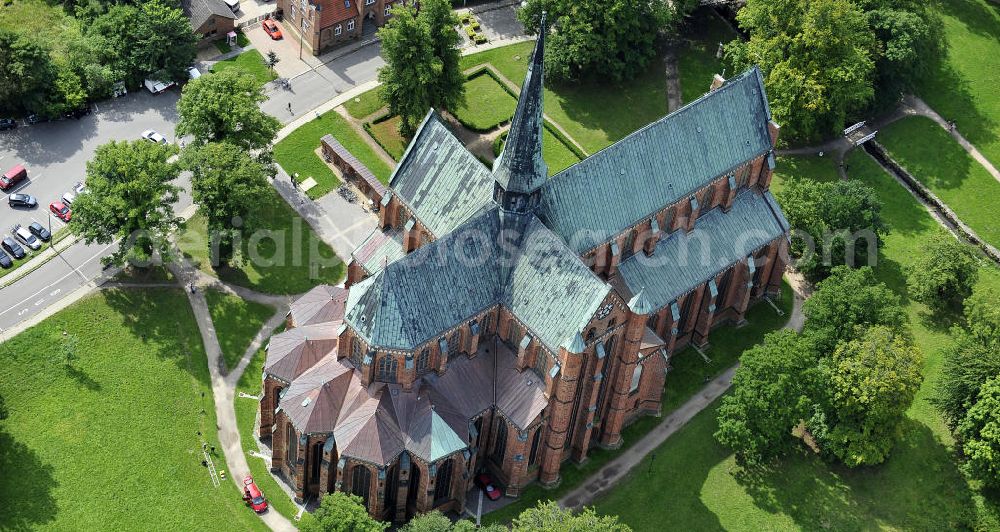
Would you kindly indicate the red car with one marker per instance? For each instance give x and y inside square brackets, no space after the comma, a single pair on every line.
[61,211]
[271,28]
[253,496]
[486,483]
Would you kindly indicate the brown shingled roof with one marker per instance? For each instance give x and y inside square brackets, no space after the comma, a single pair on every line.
[291,353]
[322,304]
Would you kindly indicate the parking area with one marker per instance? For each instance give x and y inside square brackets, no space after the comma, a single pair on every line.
[56,153]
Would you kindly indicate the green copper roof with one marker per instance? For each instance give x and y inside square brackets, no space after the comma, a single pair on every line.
[439,180]
[379,249]
[659,164]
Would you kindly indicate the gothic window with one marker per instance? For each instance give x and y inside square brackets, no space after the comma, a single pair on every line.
[423,361]
[541,363]
[391,489]
[356,352]
[513,335]
[317,458]
[602,388]
[361,482]
[654,320]
[453,344]
[612,323]
[534,446]
[685,312]
[292,453]
[500,443]
[442,483]
[636,377]
[590,334]
[760,269]
[387,369]
[479,430]
[724,288]
[627,251]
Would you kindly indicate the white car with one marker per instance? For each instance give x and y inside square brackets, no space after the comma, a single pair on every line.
[153,136]
[26,238]
[69,197]
[194,73]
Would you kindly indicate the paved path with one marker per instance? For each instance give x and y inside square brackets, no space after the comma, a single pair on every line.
[609,475]
[674,100]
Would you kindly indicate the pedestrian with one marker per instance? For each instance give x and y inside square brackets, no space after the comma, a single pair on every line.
[289,107]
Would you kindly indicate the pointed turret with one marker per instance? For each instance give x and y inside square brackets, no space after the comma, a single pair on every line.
[639,304]
[520,169]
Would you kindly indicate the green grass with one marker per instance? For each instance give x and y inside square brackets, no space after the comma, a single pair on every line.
[487,104]
[684,380]
[241,40]
[236,322]
[929,153]
[365,104]
[291,262]
[111,441]
[807,166]
[46,23]
[696,60]
[296,153]
[250,62]
[386,133]
[695,484]
[965,87]
[246,415]
[556,154]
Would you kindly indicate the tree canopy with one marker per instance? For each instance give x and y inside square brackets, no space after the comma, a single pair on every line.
[971,358]
[943,274]
[979,433]
[340,512]
[27,71]
[846,301]
[548,516]
[435,521]
[130,199]
[224,106]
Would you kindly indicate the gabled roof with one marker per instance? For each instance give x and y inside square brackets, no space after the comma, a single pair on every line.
[658,164]
[292,352]
[685,260]
[199,11]
[322,304]
[441,182]
[379,249]
[333,11]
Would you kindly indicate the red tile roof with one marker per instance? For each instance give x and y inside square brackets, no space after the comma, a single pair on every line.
[334,11]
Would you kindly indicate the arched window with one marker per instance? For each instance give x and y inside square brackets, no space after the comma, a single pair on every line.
[453,344]
[654,320]
[361,482]
[590,334]
[442,483]
[636,377]
[293,445]
[356,352]
[602,388]
[724,288]
[423,361]
[387,369]
[534,446]
[479,429]
[541,363]
[500,442]
[391,490]
[612,323]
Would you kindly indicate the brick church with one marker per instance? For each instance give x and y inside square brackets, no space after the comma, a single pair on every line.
[506,321]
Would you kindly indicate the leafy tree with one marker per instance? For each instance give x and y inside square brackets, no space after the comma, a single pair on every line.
[229,187]
[816,56]
[130,199]
[271,59]
[600,38]
[67,93]
[979,433]
[448,90]
[549,517]
[773,391]
[943,274]
[27,73]
[843,220]
[435,521]
[872,382]
[971,358]
[224,106]
[341,512]
[846,301]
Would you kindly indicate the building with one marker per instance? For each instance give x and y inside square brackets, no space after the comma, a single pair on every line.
[506,321]
[210,19]
[323,24]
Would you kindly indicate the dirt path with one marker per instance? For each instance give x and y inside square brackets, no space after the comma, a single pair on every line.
[674,100]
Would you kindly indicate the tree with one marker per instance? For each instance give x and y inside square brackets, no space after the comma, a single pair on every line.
[773,391]
[846,301]
[271,59]
[549,517]
[422,69]
[229,187]
[979,433]
[130,199]
[600,38]
[435,521]
[224,107]
[872,382]
[816,56]
[971,358]
[27,74]
[341,512]
[943,274]
[843,221]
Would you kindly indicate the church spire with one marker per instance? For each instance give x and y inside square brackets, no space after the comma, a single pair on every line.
[520,169]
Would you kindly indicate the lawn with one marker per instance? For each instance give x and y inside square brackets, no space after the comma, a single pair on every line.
[807,166]
[684,380]
[695,484]
[241,40]
[557,155]
[236,322]
[965,87]
[250,62]
[696,57]
[296,153]
[928,152]
[46,22]
[287,257]
[112,440]
[246,416]
[487,104]
[386,133]
[364,105]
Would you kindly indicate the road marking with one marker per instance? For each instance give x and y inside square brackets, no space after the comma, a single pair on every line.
[52,284]
[54,292]
[22,312]
[40,301]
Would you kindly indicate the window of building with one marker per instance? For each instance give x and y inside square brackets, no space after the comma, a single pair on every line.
[338,29]
[534,446]
[293,446]
[292,9]
[724,287]
[636,377]
[424,360]
[654,320]
[388,9]
[317,458]
[453,343]
[513,335]
[387,369]
[361,482]
[500,443]
[391,490]
[479,429]
[628,250]
[541,363]
[369,2]
[608,346]
[350,25]
[442,483]
[685,312]
[759,271]
[356,351]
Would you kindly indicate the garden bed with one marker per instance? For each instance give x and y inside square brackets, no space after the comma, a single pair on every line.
[487,103]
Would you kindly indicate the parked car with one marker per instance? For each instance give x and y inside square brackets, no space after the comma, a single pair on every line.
[61,211]
[79,188]
[12,177]
[69,197]
[42,233]
[272,29]
[485,483]
[153,136]
[22,200]
[12,247]
[7,123]
[24,236]
[5,261]
[156,86]
[36,118]
[194,73]
[253,496]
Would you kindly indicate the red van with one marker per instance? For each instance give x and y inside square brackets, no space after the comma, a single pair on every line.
[13,176]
